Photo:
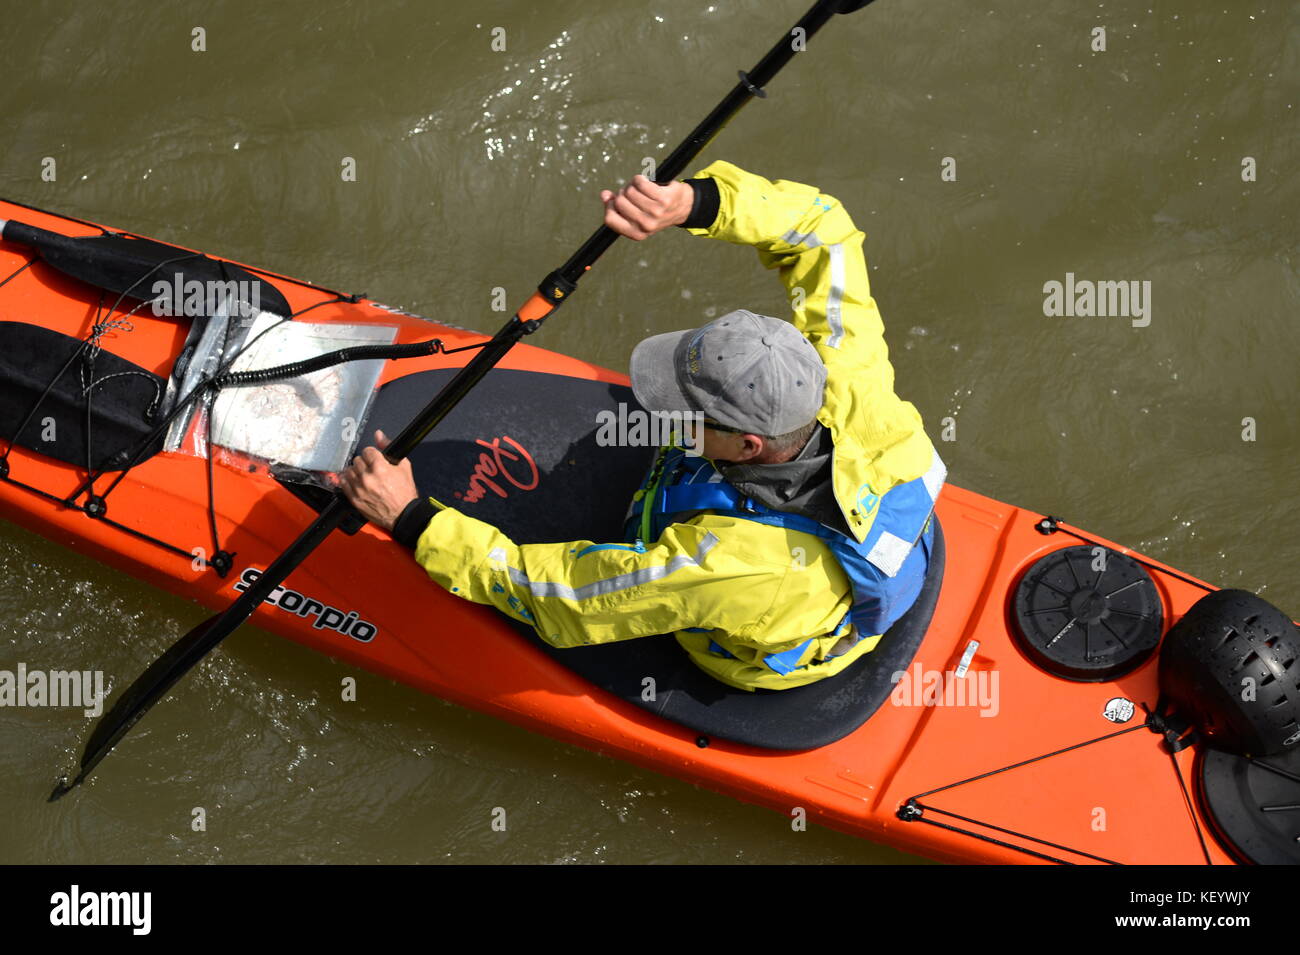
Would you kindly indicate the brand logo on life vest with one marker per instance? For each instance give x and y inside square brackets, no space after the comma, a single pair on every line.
[300,605]
[867,501]
[498,466]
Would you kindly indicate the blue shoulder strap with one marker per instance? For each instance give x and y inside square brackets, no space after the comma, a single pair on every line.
[715,496]
[723,498]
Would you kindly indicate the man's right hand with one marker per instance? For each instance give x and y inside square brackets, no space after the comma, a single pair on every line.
[644,207]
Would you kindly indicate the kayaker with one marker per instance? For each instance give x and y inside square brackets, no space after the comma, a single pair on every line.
[780,555]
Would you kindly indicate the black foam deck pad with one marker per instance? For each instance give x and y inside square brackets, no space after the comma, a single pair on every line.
[520,453]
[131,266]
[121,395]
[582,492]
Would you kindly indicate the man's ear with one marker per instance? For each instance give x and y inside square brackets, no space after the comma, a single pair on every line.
[752,446]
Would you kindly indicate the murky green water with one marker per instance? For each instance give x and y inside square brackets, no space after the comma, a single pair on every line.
[478,168]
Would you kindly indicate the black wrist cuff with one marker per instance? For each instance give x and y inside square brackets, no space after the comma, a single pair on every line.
[412,521]
[707,202]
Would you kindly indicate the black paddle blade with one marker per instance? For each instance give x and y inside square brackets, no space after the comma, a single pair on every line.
[132,267]
[150,687]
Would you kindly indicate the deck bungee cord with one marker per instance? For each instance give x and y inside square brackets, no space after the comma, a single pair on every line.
[1178,735]
[205,393]
[1051,525]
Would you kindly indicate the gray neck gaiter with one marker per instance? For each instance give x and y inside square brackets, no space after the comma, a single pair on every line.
[801,485]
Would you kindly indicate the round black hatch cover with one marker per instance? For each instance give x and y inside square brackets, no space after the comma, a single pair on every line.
[1255,804]
[1087,613]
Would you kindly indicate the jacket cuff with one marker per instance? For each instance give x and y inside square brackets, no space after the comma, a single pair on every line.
[412,521]
[707,202]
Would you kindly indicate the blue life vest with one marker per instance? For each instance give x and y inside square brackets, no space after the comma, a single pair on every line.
[886,570]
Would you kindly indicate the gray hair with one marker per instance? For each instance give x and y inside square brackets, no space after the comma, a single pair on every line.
[791,440]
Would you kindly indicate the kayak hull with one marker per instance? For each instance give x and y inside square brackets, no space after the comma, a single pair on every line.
[1119,800]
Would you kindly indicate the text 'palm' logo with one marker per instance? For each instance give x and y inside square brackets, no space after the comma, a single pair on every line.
[500,462]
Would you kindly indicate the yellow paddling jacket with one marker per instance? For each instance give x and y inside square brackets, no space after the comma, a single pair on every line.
[733,590]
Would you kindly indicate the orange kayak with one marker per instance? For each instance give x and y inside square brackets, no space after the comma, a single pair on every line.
[985,728]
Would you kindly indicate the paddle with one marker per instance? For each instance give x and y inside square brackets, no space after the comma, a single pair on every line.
[551,293]
[131,266]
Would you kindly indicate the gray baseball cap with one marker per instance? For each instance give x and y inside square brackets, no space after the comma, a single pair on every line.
[746,371]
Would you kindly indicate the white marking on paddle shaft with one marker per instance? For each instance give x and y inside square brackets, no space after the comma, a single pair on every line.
[77,908]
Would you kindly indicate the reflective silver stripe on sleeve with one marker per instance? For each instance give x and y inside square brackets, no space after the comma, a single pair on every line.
[610,585]
[836,296]
[802,238]
[889,553]
[933,478]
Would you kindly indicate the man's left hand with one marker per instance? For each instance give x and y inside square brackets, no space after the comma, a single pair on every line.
[379,490]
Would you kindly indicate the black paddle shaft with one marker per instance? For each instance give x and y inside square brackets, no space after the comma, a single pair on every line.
[751,84]
[561,283]
[164,673]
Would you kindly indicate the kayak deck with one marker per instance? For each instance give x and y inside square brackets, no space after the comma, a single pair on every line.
[1123,799]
